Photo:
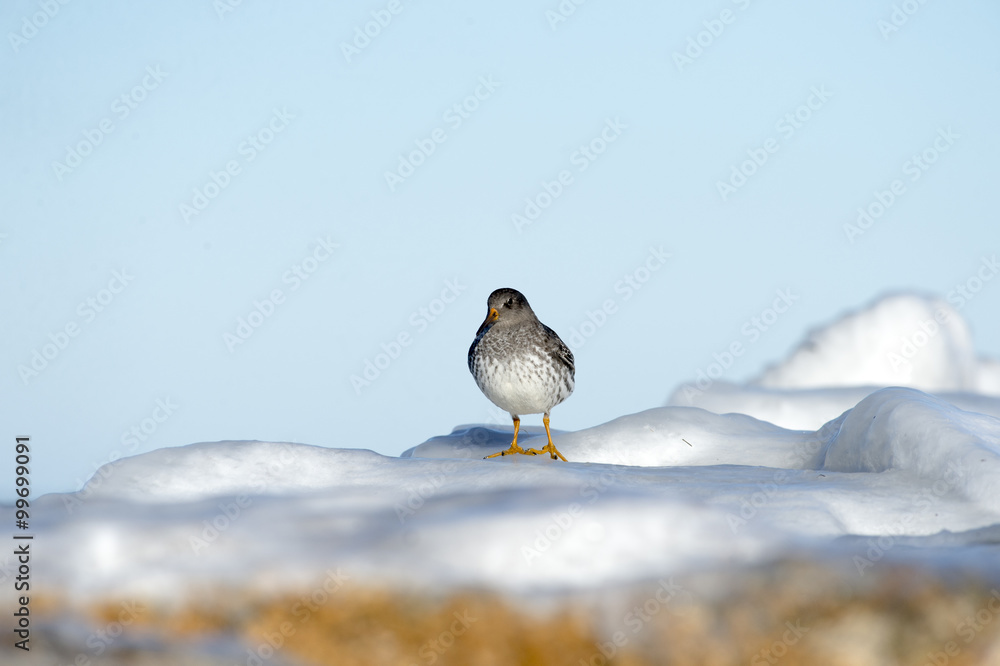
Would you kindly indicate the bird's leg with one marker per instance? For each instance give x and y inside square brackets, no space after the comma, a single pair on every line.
[514,448]
[549,448]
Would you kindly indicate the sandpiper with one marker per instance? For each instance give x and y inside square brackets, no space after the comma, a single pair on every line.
[520,364]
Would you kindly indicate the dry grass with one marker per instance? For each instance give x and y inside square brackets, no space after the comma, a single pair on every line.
[791,614]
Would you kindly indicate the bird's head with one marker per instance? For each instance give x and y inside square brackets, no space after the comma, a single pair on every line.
[506,307]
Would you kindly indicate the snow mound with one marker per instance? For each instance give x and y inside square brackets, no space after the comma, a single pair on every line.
[198,471]
[899,340]
[806,409]
[656,437]
[892,429]
[904,429]
[663,492]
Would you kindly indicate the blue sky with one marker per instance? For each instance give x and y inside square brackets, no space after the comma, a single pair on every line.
[174,169]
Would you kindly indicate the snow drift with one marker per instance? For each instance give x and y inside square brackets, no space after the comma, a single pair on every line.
[656,493]
[902,339]
[898,340]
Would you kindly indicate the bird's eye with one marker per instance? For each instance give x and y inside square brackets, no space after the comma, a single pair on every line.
[510,302]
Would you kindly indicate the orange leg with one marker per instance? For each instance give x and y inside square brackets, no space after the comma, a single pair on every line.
[514,448]
[549,448]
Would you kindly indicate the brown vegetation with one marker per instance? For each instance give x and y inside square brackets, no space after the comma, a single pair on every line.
[790,614]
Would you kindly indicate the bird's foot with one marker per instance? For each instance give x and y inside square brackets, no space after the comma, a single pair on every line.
[514,448]
[549,448]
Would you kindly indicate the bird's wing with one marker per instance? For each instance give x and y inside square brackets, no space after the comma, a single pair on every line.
[562,352]
[472,355]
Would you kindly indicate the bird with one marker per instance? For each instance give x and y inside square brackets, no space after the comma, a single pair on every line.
[521,365]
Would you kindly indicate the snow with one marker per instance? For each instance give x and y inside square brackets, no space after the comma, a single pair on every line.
[898,340]
[902,339]
[661,492]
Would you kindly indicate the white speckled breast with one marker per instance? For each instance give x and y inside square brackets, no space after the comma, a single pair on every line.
[526,370]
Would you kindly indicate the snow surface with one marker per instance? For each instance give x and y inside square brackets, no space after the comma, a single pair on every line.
[636,501]
[898,340]
[902,339]
[666,491]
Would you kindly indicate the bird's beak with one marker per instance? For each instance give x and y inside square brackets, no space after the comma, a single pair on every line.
[491,318]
